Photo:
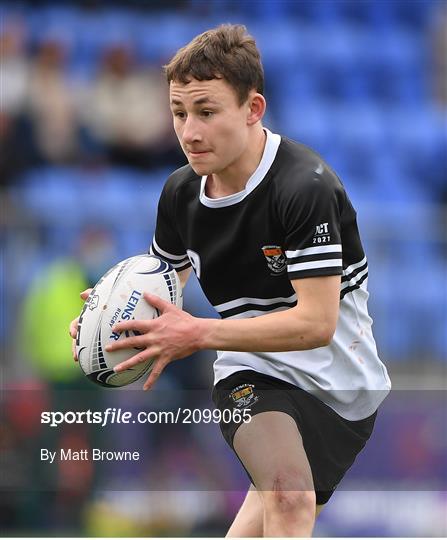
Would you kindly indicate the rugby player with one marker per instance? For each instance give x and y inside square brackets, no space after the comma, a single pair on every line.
[271,234]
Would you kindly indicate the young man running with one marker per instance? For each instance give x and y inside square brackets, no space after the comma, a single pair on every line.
[272,237]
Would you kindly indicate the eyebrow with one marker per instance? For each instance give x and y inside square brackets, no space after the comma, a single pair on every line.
[199,101]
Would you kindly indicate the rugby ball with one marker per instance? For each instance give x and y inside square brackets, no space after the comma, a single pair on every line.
[118,296]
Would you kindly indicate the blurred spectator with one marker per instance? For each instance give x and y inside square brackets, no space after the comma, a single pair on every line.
[16,152]
[15,67]
[52,104]
[47,312]
[127,110]
[53,300]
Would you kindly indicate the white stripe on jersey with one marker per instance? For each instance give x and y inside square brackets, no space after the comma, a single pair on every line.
[354,280]
[335,248]
[255,313]
[351,268]
[313,264]
[179,265]
[166,254]
[257,301]
[174,265]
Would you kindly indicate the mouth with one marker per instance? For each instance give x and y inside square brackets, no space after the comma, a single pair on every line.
[197,154]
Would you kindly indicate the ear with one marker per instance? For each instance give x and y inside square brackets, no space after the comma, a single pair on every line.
[256,108]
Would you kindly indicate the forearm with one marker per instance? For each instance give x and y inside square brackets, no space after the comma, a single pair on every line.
[292,330]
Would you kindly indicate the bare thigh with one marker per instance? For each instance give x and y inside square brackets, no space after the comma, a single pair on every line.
[271,449]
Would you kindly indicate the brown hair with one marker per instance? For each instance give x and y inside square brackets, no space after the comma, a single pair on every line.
[227,52]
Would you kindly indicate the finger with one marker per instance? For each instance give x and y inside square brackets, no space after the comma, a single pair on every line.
[156,371]
[73,330]
[85,294]
[157,302]
[137,342]
[73,350]
[139,358]
[137,326]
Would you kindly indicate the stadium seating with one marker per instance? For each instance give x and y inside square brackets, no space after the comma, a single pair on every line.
[350,79]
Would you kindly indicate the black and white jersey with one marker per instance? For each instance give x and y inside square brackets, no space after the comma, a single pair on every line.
[293,220]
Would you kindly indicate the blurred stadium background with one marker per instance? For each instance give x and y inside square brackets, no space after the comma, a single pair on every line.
[86,145]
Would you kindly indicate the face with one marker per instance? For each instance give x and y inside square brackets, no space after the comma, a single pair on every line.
[211,126]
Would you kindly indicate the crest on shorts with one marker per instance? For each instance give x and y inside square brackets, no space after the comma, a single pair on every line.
[276,260]
[243,395]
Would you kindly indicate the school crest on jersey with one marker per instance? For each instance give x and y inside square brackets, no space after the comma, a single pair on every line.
[243,395]
[276,260]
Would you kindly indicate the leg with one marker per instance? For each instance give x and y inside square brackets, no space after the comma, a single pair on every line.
[248,521]
[271,449]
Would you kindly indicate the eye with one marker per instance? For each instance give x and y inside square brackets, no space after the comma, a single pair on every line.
[206,113]
[179,114]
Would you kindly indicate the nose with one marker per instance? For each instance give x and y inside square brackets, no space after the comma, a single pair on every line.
[191,131]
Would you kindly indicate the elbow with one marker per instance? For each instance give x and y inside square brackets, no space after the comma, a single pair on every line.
[323,335]
[324,340]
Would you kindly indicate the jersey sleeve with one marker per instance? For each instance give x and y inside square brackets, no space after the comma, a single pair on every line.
[311,209]
[167,243]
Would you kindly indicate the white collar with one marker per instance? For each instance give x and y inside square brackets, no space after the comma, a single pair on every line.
[271,147]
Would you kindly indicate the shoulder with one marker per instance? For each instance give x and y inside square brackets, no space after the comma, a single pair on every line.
[301,172]
[179,179]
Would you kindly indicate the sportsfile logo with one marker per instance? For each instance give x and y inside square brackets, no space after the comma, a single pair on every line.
[180,415]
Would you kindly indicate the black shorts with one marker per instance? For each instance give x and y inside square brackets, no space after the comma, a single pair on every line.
[331,443]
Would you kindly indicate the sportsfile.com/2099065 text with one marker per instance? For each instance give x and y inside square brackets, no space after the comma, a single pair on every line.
[113,415]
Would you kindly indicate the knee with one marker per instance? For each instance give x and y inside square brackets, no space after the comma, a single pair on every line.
[290,494]
[291,502]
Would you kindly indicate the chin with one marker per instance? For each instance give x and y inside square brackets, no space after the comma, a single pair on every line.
[201,169]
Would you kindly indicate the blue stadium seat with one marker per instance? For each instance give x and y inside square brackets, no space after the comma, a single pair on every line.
[117,197]
[419,142]
[413,15]
[348,78]
[359,134]
[423,298]
[102,30]
[409,86]
[158,37]
[255,11]
[323,12]
[279,43]
[50,194]
[331,46]
[398,49]
[299,88]
[390,325]
[417,14]
[89,42]
[356,13]
[54,22]
[305,122]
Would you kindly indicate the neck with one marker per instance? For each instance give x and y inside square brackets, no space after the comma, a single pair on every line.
[234,178]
